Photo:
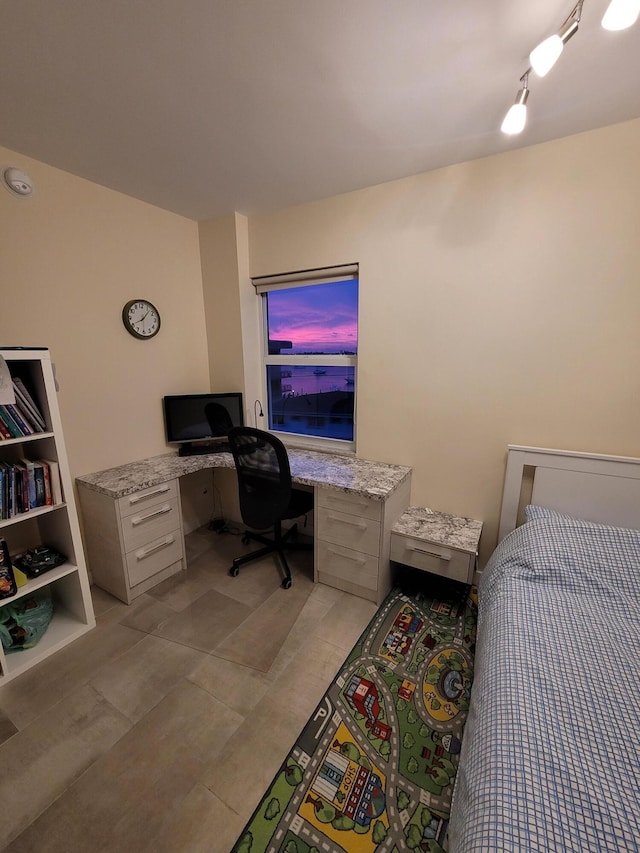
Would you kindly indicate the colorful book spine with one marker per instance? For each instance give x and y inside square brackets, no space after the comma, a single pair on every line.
[9,422]
[56,483]
[41,494]
[24,428]
[8,585]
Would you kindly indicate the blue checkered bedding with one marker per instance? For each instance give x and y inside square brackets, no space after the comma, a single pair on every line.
[551,752]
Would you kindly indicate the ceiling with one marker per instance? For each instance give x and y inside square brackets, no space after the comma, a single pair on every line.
[203,107]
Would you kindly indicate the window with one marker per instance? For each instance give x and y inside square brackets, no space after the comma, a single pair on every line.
[310,323]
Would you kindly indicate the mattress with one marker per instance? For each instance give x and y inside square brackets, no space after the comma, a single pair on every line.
[551,752]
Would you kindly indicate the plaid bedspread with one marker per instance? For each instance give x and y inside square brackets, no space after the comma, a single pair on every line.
[551,752]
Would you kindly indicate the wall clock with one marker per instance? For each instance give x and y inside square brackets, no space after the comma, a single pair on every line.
[141,319]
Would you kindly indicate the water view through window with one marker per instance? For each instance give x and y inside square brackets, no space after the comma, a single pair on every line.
[309,395]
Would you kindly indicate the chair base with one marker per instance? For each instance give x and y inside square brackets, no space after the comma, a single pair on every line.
[278,545]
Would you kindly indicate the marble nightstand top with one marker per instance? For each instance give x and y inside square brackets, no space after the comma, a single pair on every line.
[420,522]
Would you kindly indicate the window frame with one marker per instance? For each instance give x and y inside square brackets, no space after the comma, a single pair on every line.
[266,284]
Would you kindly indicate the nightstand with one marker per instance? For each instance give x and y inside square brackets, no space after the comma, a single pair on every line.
[436,542]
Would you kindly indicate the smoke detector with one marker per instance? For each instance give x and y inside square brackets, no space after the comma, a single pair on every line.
[18,183]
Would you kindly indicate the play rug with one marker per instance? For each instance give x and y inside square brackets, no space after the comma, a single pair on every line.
[375,764]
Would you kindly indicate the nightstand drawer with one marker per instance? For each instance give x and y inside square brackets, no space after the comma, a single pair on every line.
[353,504]
[340,528]
[154,556]
[428,557]
[140,501]
[149,523]
[346,564]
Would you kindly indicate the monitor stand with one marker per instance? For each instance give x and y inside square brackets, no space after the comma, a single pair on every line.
[202,449]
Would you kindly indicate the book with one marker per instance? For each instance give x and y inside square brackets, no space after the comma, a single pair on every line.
[17,417]
[22,487]
[4,430]
[8,585]
[11,499]
[27,400]
[31,482]
[41,495]
[3,491]
[48,497]
[11,425]
[56,483]
[26,417]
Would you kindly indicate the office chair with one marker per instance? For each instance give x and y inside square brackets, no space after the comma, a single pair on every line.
[218,418]
[267,497]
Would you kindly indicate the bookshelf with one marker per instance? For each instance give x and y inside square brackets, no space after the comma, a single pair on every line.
[54,524]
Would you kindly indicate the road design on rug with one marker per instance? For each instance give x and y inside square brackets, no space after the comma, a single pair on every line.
[375,765]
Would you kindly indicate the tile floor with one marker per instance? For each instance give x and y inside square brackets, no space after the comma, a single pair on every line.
[160,730]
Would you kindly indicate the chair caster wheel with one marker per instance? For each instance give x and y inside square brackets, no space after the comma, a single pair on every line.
[286,583]
[245,539]
[234,571]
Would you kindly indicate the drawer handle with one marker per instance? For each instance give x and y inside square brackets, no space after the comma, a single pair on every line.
[360,560]
[134,499]
[146,552]
[139,519]
[350,502]
[443,555]
[361,525]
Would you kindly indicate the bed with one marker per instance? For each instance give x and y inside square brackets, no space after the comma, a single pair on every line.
[551,751]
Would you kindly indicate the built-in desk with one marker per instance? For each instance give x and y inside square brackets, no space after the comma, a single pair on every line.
[134,537]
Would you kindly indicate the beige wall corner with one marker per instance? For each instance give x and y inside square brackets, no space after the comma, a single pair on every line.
[72,255]
[231,308]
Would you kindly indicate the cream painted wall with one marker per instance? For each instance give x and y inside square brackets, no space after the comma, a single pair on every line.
[219,258]
[71,256]
[233,322]
[499,303]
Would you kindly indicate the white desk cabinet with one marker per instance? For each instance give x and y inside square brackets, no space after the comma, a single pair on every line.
[133,542]
[352,540]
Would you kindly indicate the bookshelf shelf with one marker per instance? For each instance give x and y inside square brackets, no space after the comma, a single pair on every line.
[55,525]
[32,513]
[26,439]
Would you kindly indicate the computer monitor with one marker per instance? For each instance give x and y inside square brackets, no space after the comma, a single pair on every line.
[201,418]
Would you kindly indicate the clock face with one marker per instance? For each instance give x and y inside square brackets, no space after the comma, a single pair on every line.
[141,318]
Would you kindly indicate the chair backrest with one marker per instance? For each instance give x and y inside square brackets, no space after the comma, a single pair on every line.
[219,419]
[264,476]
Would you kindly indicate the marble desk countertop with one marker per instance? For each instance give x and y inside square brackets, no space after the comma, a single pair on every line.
[420,522]
[375,480]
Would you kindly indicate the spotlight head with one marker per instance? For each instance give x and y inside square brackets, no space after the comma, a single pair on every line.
[516,117]
[621,14]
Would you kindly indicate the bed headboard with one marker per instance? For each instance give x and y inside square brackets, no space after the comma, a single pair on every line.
[598,488]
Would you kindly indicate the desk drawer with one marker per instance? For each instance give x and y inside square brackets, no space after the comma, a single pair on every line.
[140,501]
[149,523]
[346,564]
[457,565]
[353,504]
[154,556]
[360,534]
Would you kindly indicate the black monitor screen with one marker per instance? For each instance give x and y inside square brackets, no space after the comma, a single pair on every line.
[196,417]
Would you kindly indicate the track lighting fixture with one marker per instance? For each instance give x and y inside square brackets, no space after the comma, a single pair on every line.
[619,15]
